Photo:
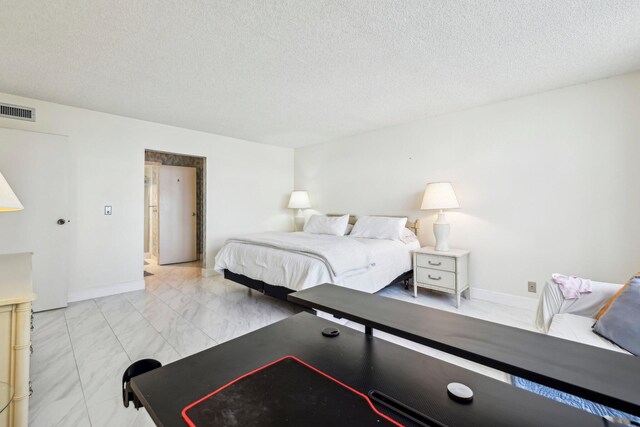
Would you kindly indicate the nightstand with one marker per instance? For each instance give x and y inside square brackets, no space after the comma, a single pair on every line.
[441,271]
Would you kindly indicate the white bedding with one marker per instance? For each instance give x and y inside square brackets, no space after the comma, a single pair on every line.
[339,255]
[297,271]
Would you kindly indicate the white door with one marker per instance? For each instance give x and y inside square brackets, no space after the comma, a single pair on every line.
[177,216]
[37,167]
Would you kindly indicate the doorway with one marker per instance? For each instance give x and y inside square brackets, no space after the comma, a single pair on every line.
[174,203]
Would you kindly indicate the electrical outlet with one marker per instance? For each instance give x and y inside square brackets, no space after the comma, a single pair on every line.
[107,210]
[532,287]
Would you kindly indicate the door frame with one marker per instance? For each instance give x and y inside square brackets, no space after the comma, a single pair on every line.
[150,253]
[202,251]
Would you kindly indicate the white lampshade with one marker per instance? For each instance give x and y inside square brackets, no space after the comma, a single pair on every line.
[8,200]
[299,200]
[439,195]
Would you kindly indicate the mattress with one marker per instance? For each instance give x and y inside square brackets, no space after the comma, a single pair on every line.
[297,271]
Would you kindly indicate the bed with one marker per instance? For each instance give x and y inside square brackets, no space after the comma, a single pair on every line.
[277,264]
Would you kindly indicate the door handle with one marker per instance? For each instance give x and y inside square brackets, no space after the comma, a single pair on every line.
[62,221]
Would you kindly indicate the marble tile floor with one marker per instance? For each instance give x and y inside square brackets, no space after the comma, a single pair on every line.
[80,352]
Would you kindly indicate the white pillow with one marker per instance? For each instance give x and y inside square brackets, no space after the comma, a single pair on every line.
[378,227]
[332,225]
[348,230]
[407,236]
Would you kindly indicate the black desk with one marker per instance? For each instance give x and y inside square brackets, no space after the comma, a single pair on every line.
[596,374]
[361,361]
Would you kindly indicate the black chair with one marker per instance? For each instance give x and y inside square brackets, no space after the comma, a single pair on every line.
[135,369]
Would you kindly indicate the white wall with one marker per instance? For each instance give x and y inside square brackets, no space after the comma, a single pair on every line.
[247,186]
[547,183]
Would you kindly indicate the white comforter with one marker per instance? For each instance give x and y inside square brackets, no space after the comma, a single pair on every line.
[341,255]
[297,271]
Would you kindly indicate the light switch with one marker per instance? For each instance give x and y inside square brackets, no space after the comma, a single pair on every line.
[107,210]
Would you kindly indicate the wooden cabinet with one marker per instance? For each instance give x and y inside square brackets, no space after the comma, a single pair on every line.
[16,295]
[441,271]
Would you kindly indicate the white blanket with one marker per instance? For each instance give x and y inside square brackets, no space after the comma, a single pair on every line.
[341,255]
[297,271]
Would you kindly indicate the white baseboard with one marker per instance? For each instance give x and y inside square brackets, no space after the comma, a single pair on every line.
[104,291]
[504,299]
[208,272]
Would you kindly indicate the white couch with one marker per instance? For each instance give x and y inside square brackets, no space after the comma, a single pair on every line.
[572,319]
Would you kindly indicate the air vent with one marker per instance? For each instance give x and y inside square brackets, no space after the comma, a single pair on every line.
[17,112]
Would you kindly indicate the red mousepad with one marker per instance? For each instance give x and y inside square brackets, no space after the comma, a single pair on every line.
[286,392]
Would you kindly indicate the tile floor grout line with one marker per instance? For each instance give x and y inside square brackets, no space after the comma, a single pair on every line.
[159,334]
[124,350]
[75,359]
[131,360]
[180,315]
[149,321]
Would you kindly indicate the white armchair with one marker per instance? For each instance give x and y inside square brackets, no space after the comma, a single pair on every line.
[552,302]
[572,319]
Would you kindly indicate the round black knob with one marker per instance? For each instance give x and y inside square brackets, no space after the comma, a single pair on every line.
[330,332]
[61,221]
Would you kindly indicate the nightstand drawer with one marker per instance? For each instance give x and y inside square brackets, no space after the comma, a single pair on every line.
[436,262]
[439,278]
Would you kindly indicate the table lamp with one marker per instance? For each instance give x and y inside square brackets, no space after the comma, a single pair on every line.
[8,200]
[299,200]
[440,196]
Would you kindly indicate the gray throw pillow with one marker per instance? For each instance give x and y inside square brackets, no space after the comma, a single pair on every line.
[620,323]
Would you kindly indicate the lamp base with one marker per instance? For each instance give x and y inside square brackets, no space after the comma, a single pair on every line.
[298,221]
[441,230]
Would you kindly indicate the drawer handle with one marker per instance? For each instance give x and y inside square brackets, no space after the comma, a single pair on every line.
[434,278]
[434,263]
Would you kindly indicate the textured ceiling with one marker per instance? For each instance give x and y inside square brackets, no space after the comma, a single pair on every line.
[296,73]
